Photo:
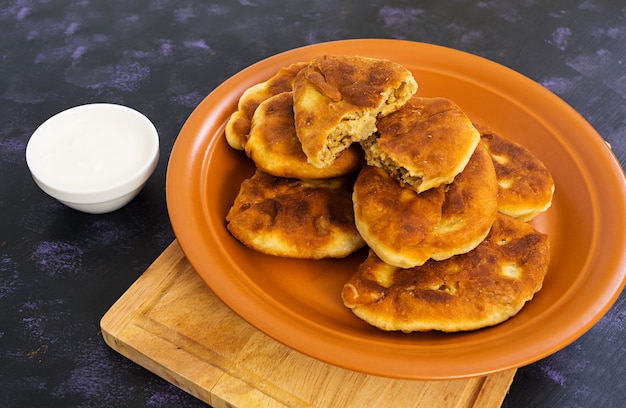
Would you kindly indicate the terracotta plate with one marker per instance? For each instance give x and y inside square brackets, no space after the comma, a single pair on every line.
[298,302]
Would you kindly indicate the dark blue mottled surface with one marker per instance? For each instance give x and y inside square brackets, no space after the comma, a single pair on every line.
[61,270]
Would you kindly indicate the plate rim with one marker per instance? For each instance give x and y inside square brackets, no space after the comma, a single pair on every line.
[186,143]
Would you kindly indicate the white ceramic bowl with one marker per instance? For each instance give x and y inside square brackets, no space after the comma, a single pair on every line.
[94,158]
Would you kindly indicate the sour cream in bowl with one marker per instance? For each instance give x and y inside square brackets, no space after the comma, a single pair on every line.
[94,158]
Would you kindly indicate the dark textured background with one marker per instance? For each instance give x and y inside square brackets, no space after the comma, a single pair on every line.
[60,270]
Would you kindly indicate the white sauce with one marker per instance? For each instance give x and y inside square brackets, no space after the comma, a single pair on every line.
[86,154]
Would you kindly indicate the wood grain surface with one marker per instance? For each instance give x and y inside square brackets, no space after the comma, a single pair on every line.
[172,324]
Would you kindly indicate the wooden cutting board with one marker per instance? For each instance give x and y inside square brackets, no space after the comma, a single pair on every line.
[171,323]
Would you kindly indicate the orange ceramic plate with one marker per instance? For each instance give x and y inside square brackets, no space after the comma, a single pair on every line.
[298,302]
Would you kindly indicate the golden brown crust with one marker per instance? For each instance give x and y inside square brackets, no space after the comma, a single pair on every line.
[275,148]
[337,100]
[295,218]
[481,288]
[525,184]
[435,202]
[424,144]
[406,228]
[238,125]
